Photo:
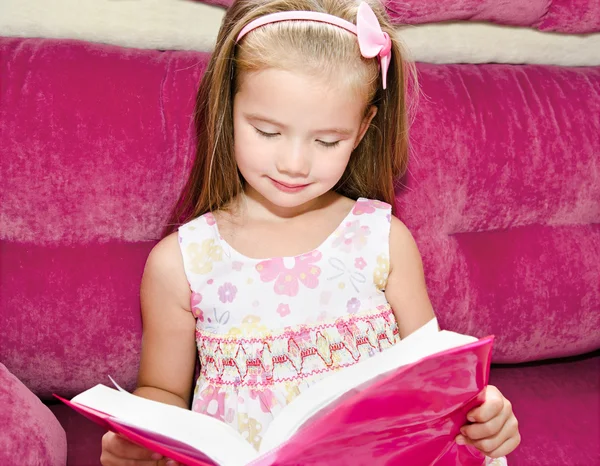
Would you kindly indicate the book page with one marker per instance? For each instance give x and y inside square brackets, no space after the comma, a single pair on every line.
[214,438]
[424,342]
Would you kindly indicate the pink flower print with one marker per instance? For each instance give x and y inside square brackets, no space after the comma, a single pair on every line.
[210,219]
[237,265]
[265,397]
[352,306]
[353,235]
[287,280]
[360,263]
[227,293]
[367,206]
[283,310]
[195,303]
[212,402]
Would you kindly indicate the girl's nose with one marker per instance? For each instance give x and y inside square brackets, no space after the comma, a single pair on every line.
[294,161]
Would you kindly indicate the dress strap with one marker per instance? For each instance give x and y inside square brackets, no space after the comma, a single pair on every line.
[200,248]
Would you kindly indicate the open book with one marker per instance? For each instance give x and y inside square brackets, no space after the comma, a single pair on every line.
[402,406]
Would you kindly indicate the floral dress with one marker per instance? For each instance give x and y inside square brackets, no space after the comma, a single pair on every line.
[267,329]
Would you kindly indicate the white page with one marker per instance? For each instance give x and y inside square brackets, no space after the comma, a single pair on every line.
[211,436]
[424,342]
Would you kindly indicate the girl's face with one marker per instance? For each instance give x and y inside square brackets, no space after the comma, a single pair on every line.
[294,134]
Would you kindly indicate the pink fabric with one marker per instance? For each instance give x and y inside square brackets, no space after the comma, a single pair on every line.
[502,196]
[71,314]
[558,408]
[506,215]
[567,16]
[25,417]
[572,16]
[513,12]
[95,144]
[84,129]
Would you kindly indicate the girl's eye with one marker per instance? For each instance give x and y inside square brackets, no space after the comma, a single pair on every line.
[266,135]
[328,144]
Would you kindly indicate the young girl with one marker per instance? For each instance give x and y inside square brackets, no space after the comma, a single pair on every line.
[288,255]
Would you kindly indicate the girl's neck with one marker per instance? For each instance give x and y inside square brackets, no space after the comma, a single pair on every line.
[251,201]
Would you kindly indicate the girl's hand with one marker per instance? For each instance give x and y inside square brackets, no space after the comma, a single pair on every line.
[118,451]
[494,430]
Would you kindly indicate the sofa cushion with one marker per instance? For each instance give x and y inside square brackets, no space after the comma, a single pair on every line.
[558,408]
[71,314]
[84,437]
[572,16]
[31,435]
[97,140]
[502,197]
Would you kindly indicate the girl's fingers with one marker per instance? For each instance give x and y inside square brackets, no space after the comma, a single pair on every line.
[108,459]
[120,447]
[487,429]
[502,442]
[506,447]
[492,406]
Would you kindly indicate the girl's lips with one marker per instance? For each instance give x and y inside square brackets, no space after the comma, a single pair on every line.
[288,188]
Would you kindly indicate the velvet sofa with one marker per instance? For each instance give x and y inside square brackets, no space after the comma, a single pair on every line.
[502,196]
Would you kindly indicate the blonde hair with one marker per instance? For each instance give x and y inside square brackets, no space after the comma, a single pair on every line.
[379,159]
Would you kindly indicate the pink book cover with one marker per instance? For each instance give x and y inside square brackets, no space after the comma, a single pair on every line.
[410,415]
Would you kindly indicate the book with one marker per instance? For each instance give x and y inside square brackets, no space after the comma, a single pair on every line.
[404,405]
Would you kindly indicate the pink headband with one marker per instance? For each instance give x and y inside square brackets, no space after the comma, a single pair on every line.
[373,42]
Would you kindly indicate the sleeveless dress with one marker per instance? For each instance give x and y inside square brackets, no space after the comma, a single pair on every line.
[267,329]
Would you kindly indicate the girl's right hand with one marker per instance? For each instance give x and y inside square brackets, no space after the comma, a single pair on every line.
[118,451]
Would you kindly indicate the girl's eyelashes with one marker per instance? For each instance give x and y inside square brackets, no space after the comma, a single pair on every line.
[329,145]
[272,135]
[267,135]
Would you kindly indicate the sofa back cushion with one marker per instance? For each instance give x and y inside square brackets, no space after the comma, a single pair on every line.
[96,143]
[503,196]
[97,140]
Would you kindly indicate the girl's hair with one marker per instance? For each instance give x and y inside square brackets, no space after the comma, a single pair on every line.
[378,160]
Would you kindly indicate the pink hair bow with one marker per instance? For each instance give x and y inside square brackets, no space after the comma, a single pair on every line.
[373,42]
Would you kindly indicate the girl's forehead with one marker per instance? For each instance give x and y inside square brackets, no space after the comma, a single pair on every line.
[279,89]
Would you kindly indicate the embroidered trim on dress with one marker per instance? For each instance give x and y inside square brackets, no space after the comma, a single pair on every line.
[297,353]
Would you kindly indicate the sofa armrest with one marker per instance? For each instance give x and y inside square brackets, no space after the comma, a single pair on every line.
[29,432]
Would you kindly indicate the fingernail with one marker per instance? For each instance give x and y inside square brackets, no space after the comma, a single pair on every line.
[463,431]
[460,440]
[471,418]
[171,463]
[156,456]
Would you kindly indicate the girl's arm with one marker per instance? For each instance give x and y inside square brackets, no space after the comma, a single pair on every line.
[405,290]
[168,342]
[168,347]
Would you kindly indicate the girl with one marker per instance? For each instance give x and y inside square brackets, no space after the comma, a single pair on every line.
[288,251]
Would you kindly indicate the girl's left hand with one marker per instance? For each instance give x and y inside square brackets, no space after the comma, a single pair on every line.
[494,430]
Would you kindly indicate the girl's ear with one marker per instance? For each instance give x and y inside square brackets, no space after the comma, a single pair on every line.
[364,126]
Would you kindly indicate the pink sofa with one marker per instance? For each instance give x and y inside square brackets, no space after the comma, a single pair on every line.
[502,195]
